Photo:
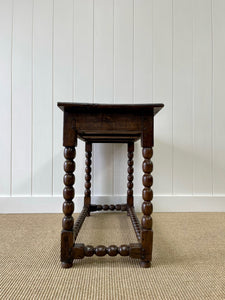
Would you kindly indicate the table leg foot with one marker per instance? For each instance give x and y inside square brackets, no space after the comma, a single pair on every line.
[145,264]
[66,265]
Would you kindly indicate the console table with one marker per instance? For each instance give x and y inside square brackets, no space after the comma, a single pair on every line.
[107,123]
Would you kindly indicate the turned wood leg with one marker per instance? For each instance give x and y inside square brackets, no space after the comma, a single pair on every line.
[147,195]
[130,177]
[87,193]
[68,208]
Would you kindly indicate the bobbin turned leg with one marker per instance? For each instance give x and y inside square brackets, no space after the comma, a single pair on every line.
[147,195]
[147,142]
[130,177]
[68,208]
[87,193]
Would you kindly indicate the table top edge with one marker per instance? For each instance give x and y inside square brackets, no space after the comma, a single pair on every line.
[101,106]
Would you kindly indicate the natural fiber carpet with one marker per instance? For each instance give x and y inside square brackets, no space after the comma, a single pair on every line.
[188,259]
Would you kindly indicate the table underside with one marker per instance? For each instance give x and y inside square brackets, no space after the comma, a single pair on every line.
[112,137]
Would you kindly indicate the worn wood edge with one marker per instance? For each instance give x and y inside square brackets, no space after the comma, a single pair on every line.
[138,108]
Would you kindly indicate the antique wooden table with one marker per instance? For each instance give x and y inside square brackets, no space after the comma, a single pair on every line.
[106,123]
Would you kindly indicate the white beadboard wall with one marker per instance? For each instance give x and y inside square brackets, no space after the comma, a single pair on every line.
[113,51]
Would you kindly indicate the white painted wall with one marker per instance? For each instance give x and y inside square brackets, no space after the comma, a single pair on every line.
[113,51]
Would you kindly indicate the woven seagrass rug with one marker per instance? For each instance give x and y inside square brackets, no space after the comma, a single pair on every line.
[188,258]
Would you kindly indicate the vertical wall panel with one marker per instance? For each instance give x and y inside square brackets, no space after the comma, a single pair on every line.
[42,99]
[120,169]
[83,70]
[103,89]
[22,97]
[143,36]
[162,93]
[62,81]
[182,97]
[6,10]
[103,51]
[202,76]
[123,47]
[143,67]
[113,51]
[123,80]
[218,96]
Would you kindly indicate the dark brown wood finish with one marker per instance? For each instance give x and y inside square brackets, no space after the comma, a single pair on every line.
[132,250]
[130,176]
[79,222]
[107,123]
[135,222]
[68,208]
[118,207]
[146,222]
[87,193]
[96,107]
